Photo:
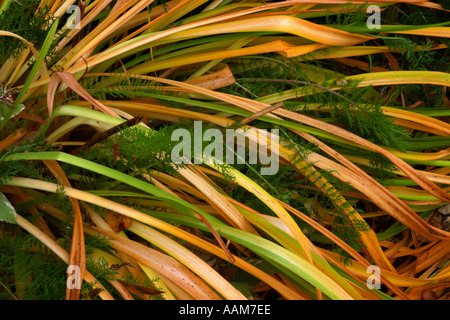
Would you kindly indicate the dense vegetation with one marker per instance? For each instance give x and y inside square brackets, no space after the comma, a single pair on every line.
[91,93]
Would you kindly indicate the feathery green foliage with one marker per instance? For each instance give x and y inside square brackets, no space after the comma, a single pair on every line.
[25,21]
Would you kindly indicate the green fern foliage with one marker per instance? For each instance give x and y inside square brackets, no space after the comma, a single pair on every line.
[24,20]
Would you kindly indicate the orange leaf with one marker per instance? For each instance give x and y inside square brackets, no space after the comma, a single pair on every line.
[299,27]
[12,138]
[73,84]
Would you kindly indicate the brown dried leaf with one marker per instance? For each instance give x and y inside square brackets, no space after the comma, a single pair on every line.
[117,221]
[218,79]
[139,289]
[444,210]
[73,84]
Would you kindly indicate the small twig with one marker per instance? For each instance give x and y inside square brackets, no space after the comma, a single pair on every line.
[217,237]
[105,134]
[118,266]
[261,113]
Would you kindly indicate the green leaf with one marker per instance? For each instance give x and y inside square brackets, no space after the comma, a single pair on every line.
[34,70]
[7,211]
